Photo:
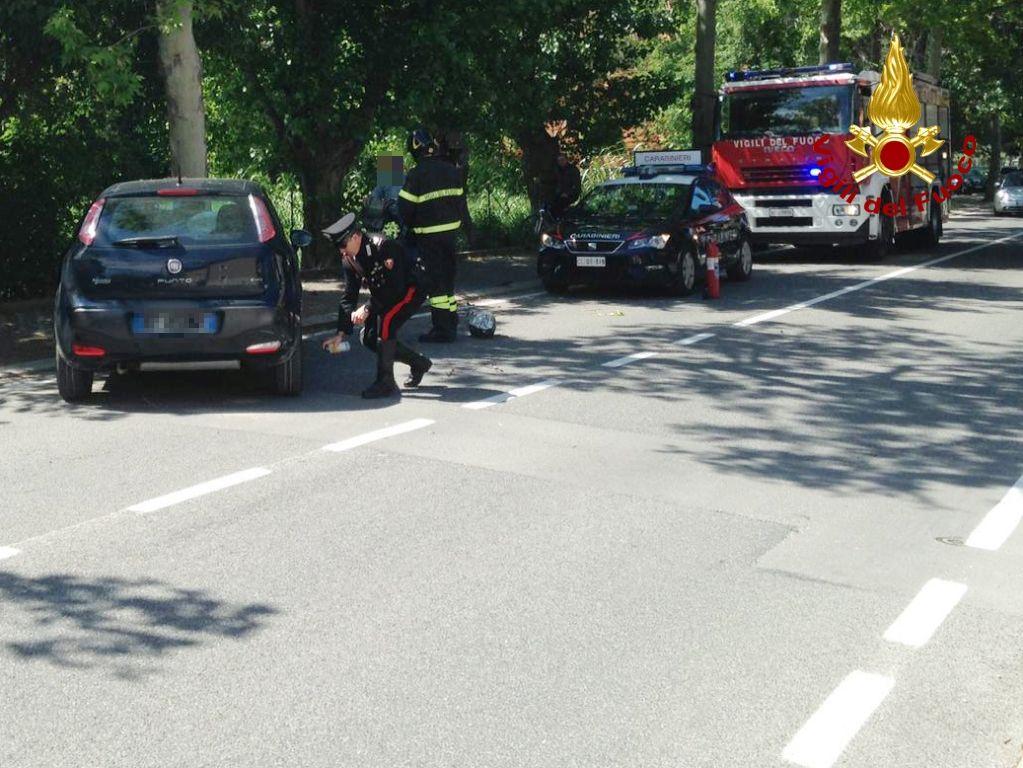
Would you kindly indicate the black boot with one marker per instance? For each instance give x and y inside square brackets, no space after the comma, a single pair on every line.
[418,364]
[385,385]
[441,332]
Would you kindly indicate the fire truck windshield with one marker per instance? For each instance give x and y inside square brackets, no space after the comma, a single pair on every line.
[787,111]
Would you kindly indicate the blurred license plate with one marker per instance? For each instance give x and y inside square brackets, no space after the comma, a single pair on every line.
[778,212]
[590,261]
[174,322]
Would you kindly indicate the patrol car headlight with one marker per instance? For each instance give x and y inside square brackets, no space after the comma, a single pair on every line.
[845,210]
[654,241]
[1003,194]
[549,241]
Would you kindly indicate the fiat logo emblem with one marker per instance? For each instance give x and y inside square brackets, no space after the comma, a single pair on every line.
[174,266]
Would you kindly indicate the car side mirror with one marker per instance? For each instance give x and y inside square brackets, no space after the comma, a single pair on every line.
[300,238]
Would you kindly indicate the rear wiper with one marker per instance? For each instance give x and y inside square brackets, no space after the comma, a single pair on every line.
[166,241]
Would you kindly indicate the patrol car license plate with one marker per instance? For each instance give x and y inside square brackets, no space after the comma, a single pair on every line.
[590,261]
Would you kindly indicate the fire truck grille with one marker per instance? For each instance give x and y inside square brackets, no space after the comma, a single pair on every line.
[781,174]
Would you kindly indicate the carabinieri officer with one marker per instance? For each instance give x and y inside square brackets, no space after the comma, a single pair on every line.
[393,279]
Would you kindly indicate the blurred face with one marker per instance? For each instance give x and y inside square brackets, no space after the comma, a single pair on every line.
[562,161]
[351,246]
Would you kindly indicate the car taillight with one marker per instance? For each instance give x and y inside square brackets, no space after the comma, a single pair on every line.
[83,351]
[265,348]
[264,224]
[90,226]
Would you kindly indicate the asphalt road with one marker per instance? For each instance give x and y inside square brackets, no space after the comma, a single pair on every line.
[777,530]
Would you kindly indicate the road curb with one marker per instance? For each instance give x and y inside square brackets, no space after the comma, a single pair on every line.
[309,325]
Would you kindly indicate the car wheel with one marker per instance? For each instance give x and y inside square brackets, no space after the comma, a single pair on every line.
[286,378]
[556,287]
[684,278]
[877,250]
[73,383]
[742,269]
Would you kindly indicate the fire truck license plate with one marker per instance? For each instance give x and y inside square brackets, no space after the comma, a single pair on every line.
[590,261]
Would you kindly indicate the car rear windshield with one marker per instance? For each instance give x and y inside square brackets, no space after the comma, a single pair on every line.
[641,201]
[194,220]
[787,111]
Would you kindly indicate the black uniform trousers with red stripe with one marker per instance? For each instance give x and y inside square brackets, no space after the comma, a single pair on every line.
[384,322]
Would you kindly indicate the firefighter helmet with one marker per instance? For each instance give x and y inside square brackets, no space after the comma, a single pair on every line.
[421,142]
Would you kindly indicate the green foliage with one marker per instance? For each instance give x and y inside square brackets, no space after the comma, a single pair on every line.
[303,95]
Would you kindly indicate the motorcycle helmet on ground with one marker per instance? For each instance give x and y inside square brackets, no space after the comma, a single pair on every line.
[420,142]
[482,323]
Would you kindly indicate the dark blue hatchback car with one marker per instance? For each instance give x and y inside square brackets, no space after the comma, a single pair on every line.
[173,273]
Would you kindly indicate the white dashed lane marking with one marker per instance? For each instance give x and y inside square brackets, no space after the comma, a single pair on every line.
[211,486]
[999,524]
[694,339]
[504,397]
[619,362]
[378,434]
[820,742]
[922,617]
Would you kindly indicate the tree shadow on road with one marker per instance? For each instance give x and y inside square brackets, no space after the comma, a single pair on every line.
[118,624]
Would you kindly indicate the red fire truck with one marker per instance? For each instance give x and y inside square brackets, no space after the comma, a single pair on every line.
[770,129]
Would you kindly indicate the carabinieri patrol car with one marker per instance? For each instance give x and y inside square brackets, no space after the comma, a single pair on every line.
[650,227]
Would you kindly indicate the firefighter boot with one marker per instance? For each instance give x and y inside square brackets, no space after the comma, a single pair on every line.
[384,386]
[418,364]
[441,332]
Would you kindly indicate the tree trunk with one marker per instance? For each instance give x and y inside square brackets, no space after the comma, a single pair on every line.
[321,180]
[539,164]
[182,74]
[831,30]
[704,93]
[995,168]
[935,38]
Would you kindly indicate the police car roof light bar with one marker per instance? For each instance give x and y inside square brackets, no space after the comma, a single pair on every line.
[649,171]
[736,76]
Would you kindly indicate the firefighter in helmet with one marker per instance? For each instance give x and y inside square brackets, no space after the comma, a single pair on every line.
[433,208]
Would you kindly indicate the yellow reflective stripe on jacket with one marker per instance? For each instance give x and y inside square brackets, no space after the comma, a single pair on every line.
[451,192]
[437,228]
[443,302]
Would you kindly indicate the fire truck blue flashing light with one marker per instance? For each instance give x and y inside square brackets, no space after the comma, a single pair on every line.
[815,172]
[736,76]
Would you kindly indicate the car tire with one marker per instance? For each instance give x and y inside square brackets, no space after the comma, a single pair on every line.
[684,280]
[931,234]
[556,287]
[73,384]
[286,378]
[877,250]
[742,269]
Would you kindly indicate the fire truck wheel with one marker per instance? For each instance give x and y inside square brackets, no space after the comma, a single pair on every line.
[877,250]
[742,269]
[933,231]
[683,279]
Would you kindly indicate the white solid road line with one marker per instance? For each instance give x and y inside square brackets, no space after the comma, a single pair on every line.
[6,552]
[696,338]
[922,617]
[618,363]
[827,733]
[1000,522]
[201,489]
[378,434]
[775,313]
[504,397]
